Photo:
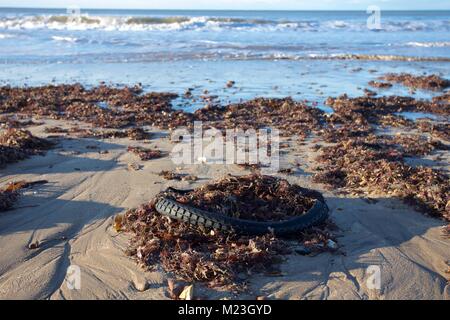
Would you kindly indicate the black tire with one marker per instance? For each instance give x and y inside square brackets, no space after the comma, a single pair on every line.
[197,217]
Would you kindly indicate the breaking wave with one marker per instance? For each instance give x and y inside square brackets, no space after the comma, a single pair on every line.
[146,23]
[65,39]
[429,44]
[6,36]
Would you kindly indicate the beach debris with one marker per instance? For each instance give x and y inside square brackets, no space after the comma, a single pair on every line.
[331,244]
[171,175]
[286,115]
[118,222]
[134,166]
[446,230]
[251,197]
[55,129]
[171,288]
[126,106]
[23,139]
[379,84]
[34,245]
[129,107]
[439,130]
[428,82]
[13,121]
[369,93]
[99,134]
[443,99]
[302,250]
[287,171]
[146,154]
[218,258]
[230,83]
[361,116]
[141,285]
[19,185]
[369,109]
[137,134]
[175,289]
[194,255]
[376,165]
[188,93]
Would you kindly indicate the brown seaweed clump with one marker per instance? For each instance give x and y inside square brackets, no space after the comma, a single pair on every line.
[195,255]
[220,258]
[379,84]
[440,130]
[376,165]
[102,106]
[371,109]
[55,129]
[13,121]
[252,197]
[146,154]
[361,116]
[429,82]
[288,116]
[171,175]
[18,144]
[137,134]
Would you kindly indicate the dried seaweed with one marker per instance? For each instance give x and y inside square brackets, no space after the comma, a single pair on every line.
[215,257]
[378,84]
[440,130]
[55,130]
[375,165]
[146,154]
[194,255]
[170,175]
[18,144]
[370,109]
[287,115]
[126,106]
[252,197]
[429,82]
[137,134]
[13,121]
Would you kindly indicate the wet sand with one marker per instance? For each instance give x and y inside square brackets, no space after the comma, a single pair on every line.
[71,217]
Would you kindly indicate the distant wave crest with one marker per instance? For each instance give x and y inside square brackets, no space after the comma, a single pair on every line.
[146,23]
[6,36]
[429,44]
[65,39]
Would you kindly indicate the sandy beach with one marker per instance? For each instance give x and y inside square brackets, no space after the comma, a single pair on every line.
[205,154]
[71,217]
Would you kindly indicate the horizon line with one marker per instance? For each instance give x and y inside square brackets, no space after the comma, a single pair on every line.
[206,9]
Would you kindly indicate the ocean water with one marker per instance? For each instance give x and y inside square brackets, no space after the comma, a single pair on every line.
[304,54]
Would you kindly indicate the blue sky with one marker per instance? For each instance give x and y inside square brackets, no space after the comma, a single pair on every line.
[237,4]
